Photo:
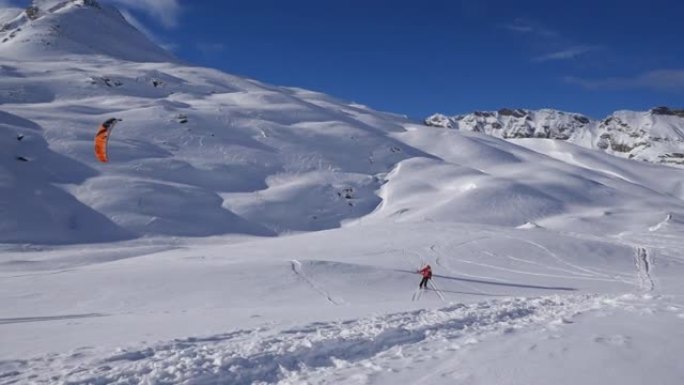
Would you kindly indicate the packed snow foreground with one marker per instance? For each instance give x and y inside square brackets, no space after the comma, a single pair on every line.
[243,233]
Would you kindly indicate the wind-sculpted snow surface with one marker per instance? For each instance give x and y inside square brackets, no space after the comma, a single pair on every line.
[197,152]
[553,184]
[299,354]
[33,208]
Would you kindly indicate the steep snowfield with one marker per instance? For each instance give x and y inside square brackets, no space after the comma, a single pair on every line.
[246,234]
[51,28]
[247,157]
[655,136]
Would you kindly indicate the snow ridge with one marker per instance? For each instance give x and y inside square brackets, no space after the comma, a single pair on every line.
[268,356]
[63,28]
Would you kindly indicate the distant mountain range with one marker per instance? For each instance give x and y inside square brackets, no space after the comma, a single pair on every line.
[655,136]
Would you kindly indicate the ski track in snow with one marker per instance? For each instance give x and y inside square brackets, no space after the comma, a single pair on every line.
[644,263]
[16,320]
[561,260]
[438,262]
[576,272]
[299,271]
[366,345]
[523,272]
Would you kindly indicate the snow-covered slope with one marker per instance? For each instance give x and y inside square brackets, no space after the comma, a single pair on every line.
[247,233]
[201,153]
[198,152]
[655,136]
[51,28]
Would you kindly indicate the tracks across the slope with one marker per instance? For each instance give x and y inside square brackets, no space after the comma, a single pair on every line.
[643,261]
[305,354]
[299,271]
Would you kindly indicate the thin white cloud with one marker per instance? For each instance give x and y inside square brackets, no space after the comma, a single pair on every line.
[551,45]
[519,28]
[672,80]
[525,26]
[167,12]
[566,54]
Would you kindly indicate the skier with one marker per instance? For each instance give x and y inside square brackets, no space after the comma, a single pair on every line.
[426,272]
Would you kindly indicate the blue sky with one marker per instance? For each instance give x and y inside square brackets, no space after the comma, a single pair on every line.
[423,56]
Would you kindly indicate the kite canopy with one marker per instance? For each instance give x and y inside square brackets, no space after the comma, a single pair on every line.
[102,137]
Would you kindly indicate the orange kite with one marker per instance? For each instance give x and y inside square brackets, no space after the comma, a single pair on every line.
[102,137]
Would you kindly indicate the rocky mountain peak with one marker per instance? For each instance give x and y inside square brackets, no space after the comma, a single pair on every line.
[655,135]
[668,111]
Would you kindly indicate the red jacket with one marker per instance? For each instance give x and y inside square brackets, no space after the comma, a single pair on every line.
[426,272]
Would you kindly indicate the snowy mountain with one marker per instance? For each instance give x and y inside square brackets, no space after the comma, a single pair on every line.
[247,157]
[655,136]
[50,28]
[244,233]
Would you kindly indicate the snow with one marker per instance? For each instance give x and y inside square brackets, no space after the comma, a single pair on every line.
[76,27]
[8,14]
[245,233]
